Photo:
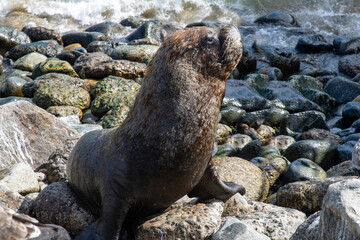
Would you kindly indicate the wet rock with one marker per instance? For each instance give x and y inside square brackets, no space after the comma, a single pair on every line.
[29,61]
[41,33]
[279,19]
[288,99]
[243,97]
[296,123]
[115,116]
[135,53]
[342,90]
[302,82]
[232,228]
[99,65]
[257,81]
[53,65]
[265,133]
[13,87]
[282,142]
[346,45]
[322,152]
[49,49]
[10,37]
[349,65]
[150,29]
[313,43]
[345,150]
[305,196]
[61,111]
[245,173]
[88,117]
[99,46]
[273,167]
[133,22]
[303,169]
[109,29]
[230,115]
[188,221]
[71,55]
[340,212]
[6,100]
[222,132]
[61,94]
[20,141]
[324,100]
[225,150]
[84,38]
[320,134]
[271,117]
[341,170]
[308,229]
[351,113]
[247,64]
[274,73]
[238,141]
[58,204]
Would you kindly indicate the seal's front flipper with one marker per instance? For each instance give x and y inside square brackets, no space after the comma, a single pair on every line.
[210,186]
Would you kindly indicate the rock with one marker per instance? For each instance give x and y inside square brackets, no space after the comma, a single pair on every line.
[320,134]
[273,221]
[305,196]
[243,97]
[225,150]
[322,152]
[30,134]
[49,49]
[135,53]
[1,65]
[247,64]
[240,171]
[342,90]
[308,229]
[271,117]
[52,65]
[265,133]
[349,65]
[230,115]
[273,167]
[238,141]
[56,170]
[11,199]
[257,81]
[61,111]
[302,82]
[14,99]
[19,178]
[114,85]
[84,38]
[222,132]
[303,169]
[88,117]
[351,112]
[133,22]
[41,33]
[324,100]
[58,93]
[340,214]
[109,29]
[100,46]
[341,170]
[115,116]
[234,229]
[296,123]
[346,45]
[278,18]
[313,43]
[345,150]
[13,86]
[150,29]
[188,221]
[282,142]
[237,205]
[29,61]
[99,65]
[71,55]
[274,73]
[288,99]
[10,37]
[57,204]
[72,46]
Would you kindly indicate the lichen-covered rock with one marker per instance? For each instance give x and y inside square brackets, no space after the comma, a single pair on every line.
[41,33]
[106,101]
[189,221]
[30,134]
[238,141]
[115,116]
[29,61]
[243,172]
[49,49]
[10,37]
[61,111]
[257,81]
[136,53]
[230,115]
[282,142]
[302,82]
[53,65]
[272,117]
[56,170]
[324,100]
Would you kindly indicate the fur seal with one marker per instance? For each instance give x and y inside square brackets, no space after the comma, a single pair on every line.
[162,151]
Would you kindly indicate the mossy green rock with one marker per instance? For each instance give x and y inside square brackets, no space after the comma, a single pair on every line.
[302,82]
[257,81]
[115,116]
[114,85]
[105,102]
[136,53]
[61,94]
[29,61]
[225,150]
[53,65]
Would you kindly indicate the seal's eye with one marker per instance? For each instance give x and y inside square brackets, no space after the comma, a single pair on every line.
[211,39]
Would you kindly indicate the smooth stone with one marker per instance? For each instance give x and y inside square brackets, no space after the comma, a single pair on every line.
[340,214]
[13,87]
[273,167]
[135,53]
[29,61]
[61,94]
[238,141]
[322,152]
[222,132]
[324,100]
[346,45]
[53,65]
[49,49]
[257,81]
[342,90]
[10,37]
[42,33]
[14,99]
[133,22]
[100,46]
[71,55]
[243,97]
[278,18]
[345,150]
[303,169]
[115,116]
[349,65]
[302,82]
[342,169]
[19,178]
[225,150]
[108,28]
[305,196]
[84,38]
[313,43]
[296,123]
[320,134]
[230,115]
[149,29]
[20,141]
[289,99]
[234,229]
[271,117]
[282,142]
[61,111]
[240,171]
[247,64]
[265,133]
[72,46]
[351,112]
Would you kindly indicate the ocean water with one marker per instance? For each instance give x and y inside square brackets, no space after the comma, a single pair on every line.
[328,17]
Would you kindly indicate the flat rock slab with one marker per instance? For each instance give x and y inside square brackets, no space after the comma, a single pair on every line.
[29,134]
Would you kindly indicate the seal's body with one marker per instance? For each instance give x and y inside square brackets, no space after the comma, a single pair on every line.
[162,151]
